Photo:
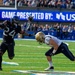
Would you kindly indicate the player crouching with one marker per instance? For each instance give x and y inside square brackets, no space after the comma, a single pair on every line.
[57,46]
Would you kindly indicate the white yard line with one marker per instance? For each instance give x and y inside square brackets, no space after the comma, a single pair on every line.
[31,46]
[38,46]
[36,72]
[10,63]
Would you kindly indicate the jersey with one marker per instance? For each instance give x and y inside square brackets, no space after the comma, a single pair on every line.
[10,30]
[48,37]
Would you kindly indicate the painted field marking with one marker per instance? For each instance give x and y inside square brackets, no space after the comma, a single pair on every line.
[21,71]
[36,46]
[31,46]
[10,63]
[35,72]
[30,71]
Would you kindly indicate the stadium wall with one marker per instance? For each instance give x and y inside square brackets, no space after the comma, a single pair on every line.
[50,9]
[41,9]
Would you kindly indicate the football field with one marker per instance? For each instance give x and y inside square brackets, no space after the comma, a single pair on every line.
[30,59]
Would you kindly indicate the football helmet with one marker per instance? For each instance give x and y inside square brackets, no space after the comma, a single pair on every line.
[15,19]
[40,37]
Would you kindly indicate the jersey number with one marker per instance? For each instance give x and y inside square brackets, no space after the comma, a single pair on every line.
[6,32]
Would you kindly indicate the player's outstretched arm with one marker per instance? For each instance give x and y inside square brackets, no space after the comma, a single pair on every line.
[26,34]
[2,25]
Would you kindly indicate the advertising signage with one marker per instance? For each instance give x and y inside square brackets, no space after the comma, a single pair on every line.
[39,15]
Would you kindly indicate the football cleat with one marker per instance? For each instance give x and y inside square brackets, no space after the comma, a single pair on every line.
[49,68]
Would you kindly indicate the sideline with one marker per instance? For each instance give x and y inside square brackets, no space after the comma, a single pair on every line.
[35,40]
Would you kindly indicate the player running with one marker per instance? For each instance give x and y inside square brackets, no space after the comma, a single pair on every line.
[11,28]
[57,46]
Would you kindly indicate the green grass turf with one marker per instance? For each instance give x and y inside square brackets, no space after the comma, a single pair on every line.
[31,56]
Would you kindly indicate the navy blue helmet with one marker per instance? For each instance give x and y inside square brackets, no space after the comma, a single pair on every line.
[15,19]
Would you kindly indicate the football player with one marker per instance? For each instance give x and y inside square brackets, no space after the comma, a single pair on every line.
[57,46]
[11,28]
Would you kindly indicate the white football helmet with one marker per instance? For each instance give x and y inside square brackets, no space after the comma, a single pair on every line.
[40,37]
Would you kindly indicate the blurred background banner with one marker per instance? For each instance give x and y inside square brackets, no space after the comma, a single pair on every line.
[39,15]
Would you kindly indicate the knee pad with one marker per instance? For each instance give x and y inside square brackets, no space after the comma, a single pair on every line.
[1,53]
[11,58]
[72,59]
[47,54]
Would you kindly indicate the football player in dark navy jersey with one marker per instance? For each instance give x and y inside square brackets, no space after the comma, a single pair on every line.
[11,28]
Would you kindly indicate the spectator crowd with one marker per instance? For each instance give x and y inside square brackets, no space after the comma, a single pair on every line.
[57,30]
[42,3]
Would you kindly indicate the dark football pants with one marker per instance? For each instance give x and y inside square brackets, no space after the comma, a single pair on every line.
[63,48]
[9,48]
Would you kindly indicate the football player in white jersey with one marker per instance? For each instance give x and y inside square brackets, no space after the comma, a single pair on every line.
[57,46]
